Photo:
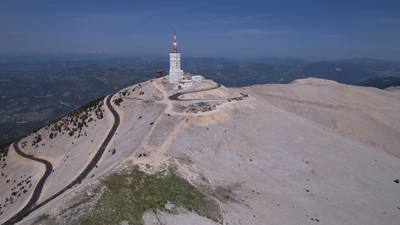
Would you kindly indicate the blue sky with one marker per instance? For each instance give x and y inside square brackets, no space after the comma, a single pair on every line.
[308,29]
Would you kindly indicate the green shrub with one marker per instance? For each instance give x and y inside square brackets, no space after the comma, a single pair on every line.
[118,101]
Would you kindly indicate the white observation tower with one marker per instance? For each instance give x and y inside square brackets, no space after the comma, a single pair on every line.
[175,72]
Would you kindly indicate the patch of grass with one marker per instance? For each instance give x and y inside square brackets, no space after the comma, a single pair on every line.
[185,159]
[79,200]
[225,194]
[129,195]
[42,217]
[178,108]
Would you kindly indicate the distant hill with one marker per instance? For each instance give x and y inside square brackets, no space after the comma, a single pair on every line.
[31,98]
[58,64]
[352,71]
[374,63]
[381,82]
[293,61]
[342,72]
[36,90]
[35,58]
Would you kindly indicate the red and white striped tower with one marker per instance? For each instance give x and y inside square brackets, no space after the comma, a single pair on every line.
[175,72]
[175,44]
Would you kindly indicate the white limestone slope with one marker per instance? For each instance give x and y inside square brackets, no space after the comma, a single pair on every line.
[367,114]
[283,169]
[18,175]
[137,111]
[270,165]
[69,155]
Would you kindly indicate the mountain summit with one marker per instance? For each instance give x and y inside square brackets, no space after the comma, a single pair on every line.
[310,151]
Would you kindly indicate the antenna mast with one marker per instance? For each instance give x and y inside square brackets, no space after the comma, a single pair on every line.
[175,44]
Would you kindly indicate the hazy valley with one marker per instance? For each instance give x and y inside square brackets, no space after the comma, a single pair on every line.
[35,90]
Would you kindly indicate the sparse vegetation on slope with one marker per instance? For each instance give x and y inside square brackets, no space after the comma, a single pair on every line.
[128,196]
[132,194]
[4,149]
[78,118]
[17,190]
[42,217]
[18,187]
[118,101]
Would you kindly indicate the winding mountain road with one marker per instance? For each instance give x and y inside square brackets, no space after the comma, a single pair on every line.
[39,186]
[30,207]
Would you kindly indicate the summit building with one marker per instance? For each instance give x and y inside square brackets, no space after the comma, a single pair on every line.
[175,72]
[176,75]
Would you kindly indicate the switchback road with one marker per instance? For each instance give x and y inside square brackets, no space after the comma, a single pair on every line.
[30,207]
[39,186]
